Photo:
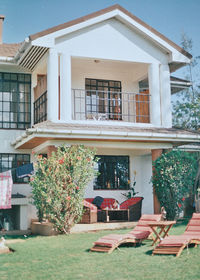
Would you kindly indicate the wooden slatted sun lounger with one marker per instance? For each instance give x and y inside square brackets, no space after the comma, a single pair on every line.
[142,231]
[175,244]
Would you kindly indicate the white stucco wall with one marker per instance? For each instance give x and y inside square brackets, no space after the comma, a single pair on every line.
[110,40]
[143,167]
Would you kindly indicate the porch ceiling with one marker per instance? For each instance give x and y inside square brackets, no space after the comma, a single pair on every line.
[47,130]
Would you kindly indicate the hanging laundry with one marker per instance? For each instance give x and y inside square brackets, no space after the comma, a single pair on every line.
[24,170]
[6,183]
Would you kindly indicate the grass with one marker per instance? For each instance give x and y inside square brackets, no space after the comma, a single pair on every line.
[68,257]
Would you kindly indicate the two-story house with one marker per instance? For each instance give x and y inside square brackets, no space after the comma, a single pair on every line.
[103,80]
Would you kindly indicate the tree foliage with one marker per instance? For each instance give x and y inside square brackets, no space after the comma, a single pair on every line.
[186,109]
[173,179]
[59,183]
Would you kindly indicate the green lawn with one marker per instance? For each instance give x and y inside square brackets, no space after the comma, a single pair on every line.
[68,257]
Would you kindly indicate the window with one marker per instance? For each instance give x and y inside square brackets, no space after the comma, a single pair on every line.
[103,97]
[15,100]
[113,173]
[12,161]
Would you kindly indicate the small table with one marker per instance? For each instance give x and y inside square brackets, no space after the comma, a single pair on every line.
[116,214]
[164,227]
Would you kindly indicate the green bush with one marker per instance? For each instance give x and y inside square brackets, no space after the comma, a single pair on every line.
[59,183]
[173,179]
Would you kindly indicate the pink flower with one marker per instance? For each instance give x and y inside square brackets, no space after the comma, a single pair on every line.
[61,161]
[77,187]
[68,198]
[179,205]
[183,199]
[88,159]
[33,152]
[39,157]
[79,158]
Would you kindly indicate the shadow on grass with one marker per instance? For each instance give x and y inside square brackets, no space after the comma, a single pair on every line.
[18,236]
[182,222]
[149,252]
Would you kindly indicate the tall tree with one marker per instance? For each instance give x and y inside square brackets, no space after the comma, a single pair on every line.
[186,109]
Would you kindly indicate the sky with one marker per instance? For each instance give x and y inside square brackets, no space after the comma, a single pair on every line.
[170,17]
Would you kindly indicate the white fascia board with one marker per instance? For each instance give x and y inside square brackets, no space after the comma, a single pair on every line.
[105,135]
[105,144]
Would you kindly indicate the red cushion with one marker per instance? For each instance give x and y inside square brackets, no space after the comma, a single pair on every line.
[174,240]
[92,207]
[107,202]
[129,202]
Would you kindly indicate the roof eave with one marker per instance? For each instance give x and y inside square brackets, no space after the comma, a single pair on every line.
[46,134]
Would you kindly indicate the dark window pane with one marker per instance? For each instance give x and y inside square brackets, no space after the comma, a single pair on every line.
[113,173]
[13,77]
[11,162]
[27,78]
[105,103]
[15,98]
[6,76]
[21,77]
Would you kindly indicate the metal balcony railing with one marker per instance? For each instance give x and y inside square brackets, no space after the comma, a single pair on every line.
[111,105]
[40,108]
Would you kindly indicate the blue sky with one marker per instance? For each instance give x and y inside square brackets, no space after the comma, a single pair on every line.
[170,17]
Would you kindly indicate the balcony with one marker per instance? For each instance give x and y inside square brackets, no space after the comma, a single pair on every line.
[40,108]
[111,105]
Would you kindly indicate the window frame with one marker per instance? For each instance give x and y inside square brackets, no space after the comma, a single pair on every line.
[13,164]
[110,162]
[114,89]
[15,100]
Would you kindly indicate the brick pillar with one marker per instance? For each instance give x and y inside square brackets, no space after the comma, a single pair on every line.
[155,154]
[51,149]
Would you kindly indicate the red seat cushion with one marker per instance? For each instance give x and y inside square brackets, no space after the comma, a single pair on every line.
[92,207]
[129,202]
[107,202]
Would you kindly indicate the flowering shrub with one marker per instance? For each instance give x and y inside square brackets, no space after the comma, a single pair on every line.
[173,179]
[59,183]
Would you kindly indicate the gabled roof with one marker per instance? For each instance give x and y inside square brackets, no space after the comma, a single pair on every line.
[102,12]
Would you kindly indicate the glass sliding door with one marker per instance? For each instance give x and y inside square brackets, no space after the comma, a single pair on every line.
[103,99]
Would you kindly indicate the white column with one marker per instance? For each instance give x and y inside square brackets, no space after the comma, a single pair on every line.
[23,217]
[52,86]
[154,89]
[165,90]
[65,88]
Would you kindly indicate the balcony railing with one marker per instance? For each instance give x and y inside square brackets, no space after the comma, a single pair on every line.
[110,105]
[40,108]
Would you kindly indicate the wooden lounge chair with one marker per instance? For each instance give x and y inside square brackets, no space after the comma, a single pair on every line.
[175,244]
[142,231]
